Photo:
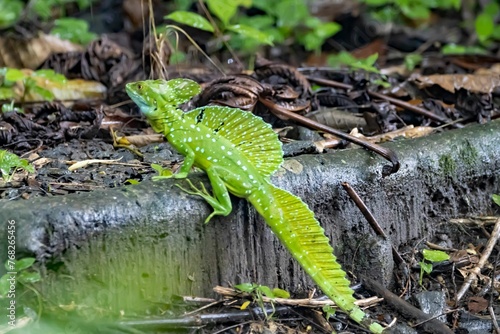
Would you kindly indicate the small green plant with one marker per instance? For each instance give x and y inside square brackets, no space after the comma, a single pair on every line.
[20,275]
[10,13]
[345,58]
[329,311]
[10,162]
[394,10]
[12,10]
[30,81]
[161,171]
[17,272]
[455,49]
[74,30]
[486,28]
[496,199]
[283,19]
[430,257]
[258,291]
[8,107]
[412,60]
[367,64]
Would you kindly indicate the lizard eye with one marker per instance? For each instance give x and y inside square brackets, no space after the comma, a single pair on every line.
[139,86]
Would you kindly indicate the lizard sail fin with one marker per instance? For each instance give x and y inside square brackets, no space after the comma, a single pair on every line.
[249,133]
[304,237]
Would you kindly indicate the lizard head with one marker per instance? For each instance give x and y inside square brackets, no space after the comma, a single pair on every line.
[158,99]
[151,94]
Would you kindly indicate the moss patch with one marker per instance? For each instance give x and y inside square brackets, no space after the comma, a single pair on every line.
[447,165]
[468,154]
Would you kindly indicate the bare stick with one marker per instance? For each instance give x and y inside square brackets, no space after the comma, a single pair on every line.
[430,325]
[371,219]
[474,272]
[306,302]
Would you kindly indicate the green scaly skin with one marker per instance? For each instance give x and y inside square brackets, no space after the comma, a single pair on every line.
[239,152]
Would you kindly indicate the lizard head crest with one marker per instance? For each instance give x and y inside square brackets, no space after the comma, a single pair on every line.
[151,94]
[158,99]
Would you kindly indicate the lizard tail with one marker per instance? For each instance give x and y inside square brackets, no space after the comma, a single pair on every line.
[304,237]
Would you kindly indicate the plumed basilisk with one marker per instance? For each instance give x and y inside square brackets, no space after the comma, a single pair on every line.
[239,152]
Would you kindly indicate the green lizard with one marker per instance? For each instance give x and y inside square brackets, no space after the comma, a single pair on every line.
[239,151]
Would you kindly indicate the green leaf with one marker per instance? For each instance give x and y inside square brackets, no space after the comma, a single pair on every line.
[435,255]
[245,287]
[46,94]
[177,57]
[42,8]
[29,277]
[10,12]
[386,14]
[328,29]
[454,49]
[280,293]
[24,263]
[427,267]
[416,11]
[24,164]
[13,74]
[226,9]
[50,75]
[329,311]
[424,267]
[377,2]
[8,161]
[291,13]
[345,58]
[484,26]
[496,33]
[412,60]
[191,19]
[496,199]
[492,9]
[74,30]
[266,291]
[4,284]
[132,181]
[6,93]
[250,32]
[161,171]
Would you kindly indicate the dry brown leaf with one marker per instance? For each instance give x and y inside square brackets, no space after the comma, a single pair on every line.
[475,83]
[16,52]
[408,132]
[71,90]
[140,140]
[477,304]
[494,69]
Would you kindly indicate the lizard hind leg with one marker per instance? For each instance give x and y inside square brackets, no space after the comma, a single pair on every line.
[220,200]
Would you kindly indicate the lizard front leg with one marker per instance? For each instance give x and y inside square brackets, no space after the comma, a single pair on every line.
[188,154]
[220,200]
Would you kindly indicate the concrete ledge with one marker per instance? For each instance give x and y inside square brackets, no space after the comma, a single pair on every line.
[152,233]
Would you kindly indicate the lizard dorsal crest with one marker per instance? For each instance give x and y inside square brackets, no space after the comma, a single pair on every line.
[249,133]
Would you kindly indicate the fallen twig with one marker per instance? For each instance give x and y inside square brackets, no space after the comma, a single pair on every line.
[385,152]
[474,272]
[84,163]
[205,319]
[487,220]
[371,219]
[396,102]
[429,324]
[305,302]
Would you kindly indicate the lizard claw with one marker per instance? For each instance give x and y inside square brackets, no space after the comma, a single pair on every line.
[195,191]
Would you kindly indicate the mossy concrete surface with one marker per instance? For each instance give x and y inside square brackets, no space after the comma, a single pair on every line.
[142,243]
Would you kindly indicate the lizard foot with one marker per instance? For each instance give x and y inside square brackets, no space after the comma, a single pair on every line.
[219,209]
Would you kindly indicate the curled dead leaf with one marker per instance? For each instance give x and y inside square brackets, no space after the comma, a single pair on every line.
[475,83]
